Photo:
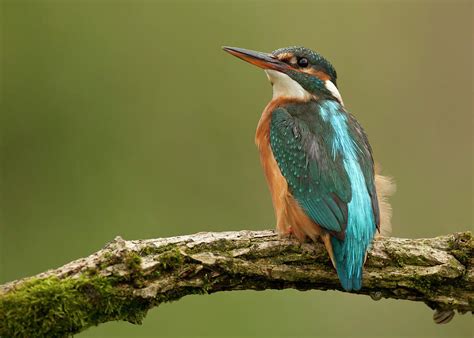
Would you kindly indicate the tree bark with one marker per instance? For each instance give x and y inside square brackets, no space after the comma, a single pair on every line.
[126,278]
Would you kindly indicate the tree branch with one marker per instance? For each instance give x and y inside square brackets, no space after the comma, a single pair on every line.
[126,278]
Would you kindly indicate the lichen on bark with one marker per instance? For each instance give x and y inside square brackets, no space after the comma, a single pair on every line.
[126,278]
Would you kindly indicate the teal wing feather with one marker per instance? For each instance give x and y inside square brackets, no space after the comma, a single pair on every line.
[367,164]
[302,141]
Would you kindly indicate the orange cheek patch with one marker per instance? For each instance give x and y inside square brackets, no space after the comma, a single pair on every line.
[318,73]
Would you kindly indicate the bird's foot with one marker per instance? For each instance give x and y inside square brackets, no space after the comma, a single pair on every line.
[288,233]
[326,238]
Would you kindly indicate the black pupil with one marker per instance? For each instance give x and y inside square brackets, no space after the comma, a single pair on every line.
[303,62]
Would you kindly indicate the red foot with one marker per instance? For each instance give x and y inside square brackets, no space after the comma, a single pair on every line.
[289,232]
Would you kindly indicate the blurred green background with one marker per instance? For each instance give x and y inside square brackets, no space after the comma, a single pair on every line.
[126,118]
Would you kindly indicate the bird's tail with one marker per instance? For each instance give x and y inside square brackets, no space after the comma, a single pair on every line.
[349,255]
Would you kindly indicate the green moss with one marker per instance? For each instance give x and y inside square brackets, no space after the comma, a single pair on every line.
[461,256]
[221,245]
[170,260]
[91,271]
[430,285]
[179,293]
[298,259]
[422,284]
[56,308]
[462,247]
[110,259]
[151,250]
[133,261]
[52,307]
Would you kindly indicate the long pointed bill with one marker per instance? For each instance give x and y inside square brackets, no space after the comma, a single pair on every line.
[259,59]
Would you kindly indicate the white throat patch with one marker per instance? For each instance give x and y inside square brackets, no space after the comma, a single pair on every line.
[285,86]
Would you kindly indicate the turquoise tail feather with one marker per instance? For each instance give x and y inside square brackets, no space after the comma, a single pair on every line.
[350,252]
[348,264]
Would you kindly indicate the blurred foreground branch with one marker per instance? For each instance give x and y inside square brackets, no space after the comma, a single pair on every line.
[126,278]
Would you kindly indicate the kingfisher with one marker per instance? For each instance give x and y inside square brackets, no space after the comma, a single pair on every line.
[317,160]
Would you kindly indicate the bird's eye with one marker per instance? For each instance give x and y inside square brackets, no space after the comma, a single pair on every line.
[303,62]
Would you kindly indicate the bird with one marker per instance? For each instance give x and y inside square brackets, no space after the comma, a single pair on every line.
[318,162]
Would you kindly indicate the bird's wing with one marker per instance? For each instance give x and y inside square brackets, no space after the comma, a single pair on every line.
[303,146]
[367,164]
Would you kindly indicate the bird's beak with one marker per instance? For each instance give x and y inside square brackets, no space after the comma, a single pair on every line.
[259,59]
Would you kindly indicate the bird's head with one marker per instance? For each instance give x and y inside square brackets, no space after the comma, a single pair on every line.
[295,72]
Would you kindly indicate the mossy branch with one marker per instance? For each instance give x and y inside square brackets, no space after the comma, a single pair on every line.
[126,278]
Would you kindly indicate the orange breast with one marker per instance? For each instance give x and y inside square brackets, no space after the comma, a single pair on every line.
[289,215]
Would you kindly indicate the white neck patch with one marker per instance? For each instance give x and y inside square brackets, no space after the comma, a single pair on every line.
[333,89]
[285,86]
